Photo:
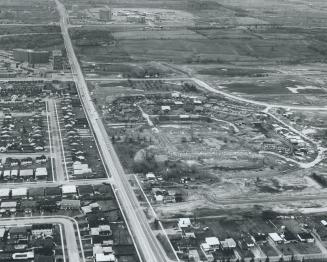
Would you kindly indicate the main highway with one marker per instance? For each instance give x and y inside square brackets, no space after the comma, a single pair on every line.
[147,245]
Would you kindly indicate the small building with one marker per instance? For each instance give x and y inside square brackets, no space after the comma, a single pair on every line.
[4,193]
[86,209]
[26,173]
[85,191]
[101,249]
[26,161]
[20,192]
[324,223]
[70,204]
[206,249]
[28,206]
[165,109]
[41,173]
[41,159]
[213,243]
[193,255]
[246,242]
[8,206]
[48,204]
[105,258]
[35,192]
[150,176]
[19,233]
[24,256]
[306,237]
[228,243]
[52,192]
[6,175]
[159,198]
[275,238]
[103,230]
[69,190]
[184,223]
[259,238]
[14,174]
[42,229]
[2,233]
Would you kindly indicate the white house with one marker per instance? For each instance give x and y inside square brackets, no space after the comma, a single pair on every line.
[213,242]
[184,223]
[275,238]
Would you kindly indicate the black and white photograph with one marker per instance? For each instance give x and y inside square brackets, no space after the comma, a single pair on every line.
[163,130]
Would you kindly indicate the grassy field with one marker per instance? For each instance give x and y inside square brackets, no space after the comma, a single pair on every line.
[23,29]
[256,47]
[44,42]
[28,12]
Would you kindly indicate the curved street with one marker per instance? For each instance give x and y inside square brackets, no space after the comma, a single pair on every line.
[74,246]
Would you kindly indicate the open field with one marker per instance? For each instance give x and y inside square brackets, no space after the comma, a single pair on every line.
[34,41]
[219,47]
[246,48]
[25,29]
[32,12]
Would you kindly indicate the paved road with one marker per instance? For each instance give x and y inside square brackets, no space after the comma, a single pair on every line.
[56,146]
[254,102]
[72,243]
[146,243]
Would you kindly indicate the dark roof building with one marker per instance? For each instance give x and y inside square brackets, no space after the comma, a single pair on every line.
[52,191]
[85,190]
[36,192]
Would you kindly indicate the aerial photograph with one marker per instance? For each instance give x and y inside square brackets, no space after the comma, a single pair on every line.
[163,130]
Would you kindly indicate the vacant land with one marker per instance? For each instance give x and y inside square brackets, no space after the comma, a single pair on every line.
[261,49]
[47,41]
[31,12]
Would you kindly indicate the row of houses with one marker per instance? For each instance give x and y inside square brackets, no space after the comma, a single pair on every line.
[100,233]
[28,243]
[19,233]
[19,135]
[65,191]
[72,121]
[246,241]
[27,161]
[39,173]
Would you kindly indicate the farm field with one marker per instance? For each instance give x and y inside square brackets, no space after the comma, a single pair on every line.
[245,48]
